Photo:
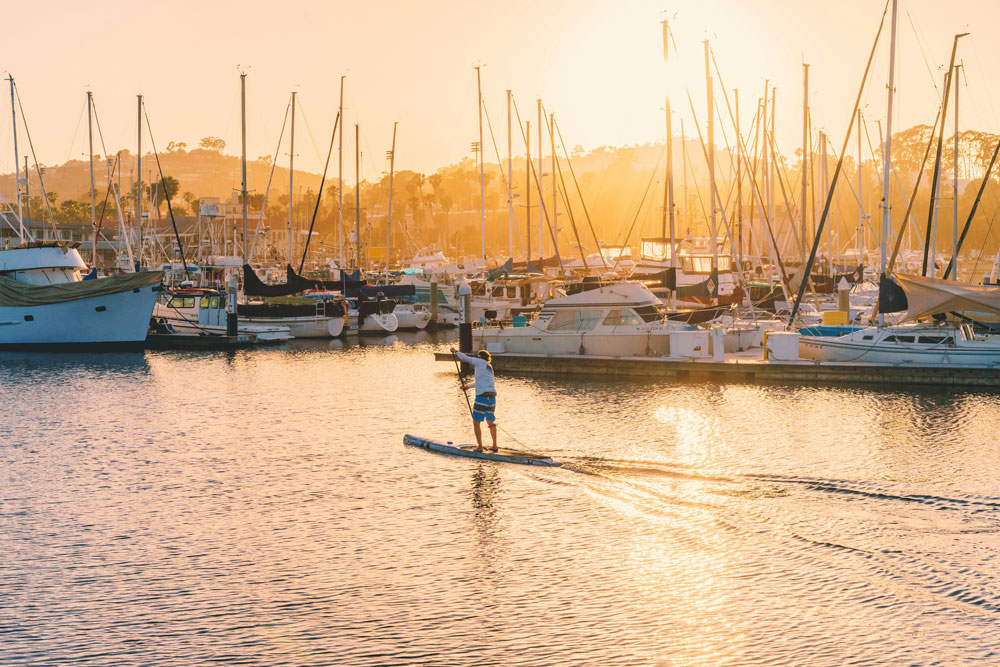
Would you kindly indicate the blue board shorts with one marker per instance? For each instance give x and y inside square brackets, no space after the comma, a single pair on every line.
[484,408]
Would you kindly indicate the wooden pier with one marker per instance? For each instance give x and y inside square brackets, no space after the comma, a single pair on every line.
[744,367]
[199,342]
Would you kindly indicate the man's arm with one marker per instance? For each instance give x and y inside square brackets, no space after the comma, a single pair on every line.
[466,358]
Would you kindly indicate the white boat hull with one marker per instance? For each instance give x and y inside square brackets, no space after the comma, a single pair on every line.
[653,344]
[302,327]
[410,318]
[382,324]
[113,318]
[818,349]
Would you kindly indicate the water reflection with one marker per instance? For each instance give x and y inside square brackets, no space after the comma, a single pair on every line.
[238,499]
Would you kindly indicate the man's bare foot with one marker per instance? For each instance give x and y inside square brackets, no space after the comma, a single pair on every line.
[479,449]
[495,449]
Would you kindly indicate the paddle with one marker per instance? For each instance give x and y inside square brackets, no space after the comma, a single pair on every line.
[465,392]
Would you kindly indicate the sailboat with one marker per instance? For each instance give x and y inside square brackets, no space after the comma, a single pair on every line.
[909,340]
[304,317]
[45,301]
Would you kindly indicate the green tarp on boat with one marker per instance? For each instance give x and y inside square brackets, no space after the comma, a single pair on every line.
[14,293]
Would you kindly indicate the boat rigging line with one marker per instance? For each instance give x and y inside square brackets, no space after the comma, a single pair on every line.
[170,209]
[541,202]
[319,196]
[579,193]
[267,190]
[34,156]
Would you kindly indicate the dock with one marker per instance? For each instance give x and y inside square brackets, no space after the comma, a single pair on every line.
[743,367]
[198,342]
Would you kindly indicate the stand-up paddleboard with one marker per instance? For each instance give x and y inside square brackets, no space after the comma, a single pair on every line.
[469,451]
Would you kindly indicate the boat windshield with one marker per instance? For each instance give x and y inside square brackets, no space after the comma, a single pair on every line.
[181,302]
[618,318]
[575,320]
[649,313]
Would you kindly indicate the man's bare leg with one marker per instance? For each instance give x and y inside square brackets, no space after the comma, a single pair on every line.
[493,432]
[479,436]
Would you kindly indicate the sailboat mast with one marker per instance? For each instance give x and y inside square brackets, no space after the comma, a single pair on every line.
[291,178]
[90,153]
[711,165]
[388,217]
[954,191]
[684,179]
[527,188]
[340,177]
[772,199]
[670,189]
[357,195]
[138,187]
[243,158]
[739,179]
[887,157]
[887,154]
[538,178]
[555,188]
[803,208]
[666,176]
[861,202]
[482,167]
[510,186]
[935,182]
[17,165]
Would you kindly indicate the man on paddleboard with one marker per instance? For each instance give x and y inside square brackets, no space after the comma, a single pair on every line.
[486,395]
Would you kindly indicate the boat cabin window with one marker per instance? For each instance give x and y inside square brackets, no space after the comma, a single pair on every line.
[215,302]
[703,264]
[899,339]
[655,249]
[204,302]
[649,313]
[933,340]
[868,337]
[181,302]
[575,320]
[621,318]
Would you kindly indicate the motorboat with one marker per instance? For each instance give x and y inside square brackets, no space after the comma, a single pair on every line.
[200,310]
[45,300]
[699,278]
[619,320]
[304,317]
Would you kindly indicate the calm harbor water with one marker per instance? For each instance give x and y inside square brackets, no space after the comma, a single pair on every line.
[259,507]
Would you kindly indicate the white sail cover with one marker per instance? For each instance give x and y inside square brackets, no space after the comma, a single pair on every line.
[929,296]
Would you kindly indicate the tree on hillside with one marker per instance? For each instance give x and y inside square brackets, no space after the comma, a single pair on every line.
[212,144]
[175,146]
[165,190]
[192,202]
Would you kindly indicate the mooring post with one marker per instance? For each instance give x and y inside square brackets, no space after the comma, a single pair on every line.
[465,323]
[231,317]
[434,306]
[844,297]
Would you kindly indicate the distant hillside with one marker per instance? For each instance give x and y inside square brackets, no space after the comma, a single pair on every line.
[204,173]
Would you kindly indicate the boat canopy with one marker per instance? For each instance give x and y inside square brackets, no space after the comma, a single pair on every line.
[929,296]
[14,293]
[254,286]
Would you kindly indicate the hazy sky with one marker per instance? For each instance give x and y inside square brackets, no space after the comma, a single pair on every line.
[596,63]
